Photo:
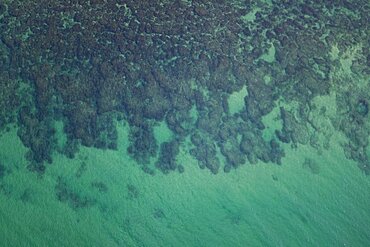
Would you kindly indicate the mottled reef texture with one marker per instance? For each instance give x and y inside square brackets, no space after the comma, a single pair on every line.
[90,63]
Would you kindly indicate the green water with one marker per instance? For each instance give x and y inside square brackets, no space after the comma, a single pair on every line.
[258,205]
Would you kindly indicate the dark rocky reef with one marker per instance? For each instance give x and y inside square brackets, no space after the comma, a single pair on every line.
[143,144]
[92,63]
[355,123]
[167,156]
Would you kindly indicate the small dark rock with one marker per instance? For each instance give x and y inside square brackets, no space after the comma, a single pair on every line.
[158,213]
[362,107]
[227,168]
[180,168]
[311,165]
[132,191]
[100,186]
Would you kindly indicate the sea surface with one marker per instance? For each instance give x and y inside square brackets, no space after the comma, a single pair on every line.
[257,205]
[86,191]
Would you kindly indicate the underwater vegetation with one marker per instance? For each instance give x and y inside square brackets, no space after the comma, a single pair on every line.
[91,64]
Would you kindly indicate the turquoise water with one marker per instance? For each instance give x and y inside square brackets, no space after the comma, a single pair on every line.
[184,123]
[259,205]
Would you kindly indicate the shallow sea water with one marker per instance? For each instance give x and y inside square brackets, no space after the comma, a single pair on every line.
[256,205]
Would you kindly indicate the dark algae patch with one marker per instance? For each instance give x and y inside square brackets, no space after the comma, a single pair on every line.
[311,165]
[75,198]
[99,186]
